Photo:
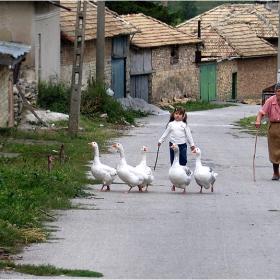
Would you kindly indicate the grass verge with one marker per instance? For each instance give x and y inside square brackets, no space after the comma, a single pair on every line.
[200,105]
[248,125]
[48,270]
[30,192]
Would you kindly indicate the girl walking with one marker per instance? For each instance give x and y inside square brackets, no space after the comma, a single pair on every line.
[180,134]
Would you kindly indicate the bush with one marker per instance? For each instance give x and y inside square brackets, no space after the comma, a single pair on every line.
[54,96]
[95,101]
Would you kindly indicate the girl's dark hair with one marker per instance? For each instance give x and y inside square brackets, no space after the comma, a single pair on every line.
[181,110]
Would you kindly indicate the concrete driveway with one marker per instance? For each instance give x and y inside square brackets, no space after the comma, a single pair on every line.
[231,233]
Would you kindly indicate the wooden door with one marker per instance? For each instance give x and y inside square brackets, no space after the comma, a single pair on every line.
[139,87]
[118,77]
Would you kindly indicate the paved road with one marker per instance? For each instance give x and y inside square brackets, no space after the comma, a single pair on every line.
[231,233]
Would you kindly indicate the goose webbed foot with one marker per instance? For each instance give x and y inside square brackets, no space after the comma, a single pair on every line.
[128,190]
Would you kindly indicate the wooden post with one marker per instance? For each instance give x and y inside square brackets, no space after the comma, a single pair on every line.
[11,100]
[62,154]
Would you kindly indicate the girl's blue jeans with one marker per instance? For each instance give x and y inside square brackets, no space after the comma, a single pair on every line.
[182,155]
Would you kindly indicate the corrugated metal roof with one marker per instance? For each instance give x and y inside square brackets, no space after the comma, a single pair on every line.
[13,49]
[230,30]
[155,33]
[114,25]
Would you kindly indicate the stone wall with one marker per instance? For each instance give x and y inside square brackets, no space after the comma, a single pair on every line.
[224,79]
[89,62]
[254,75]
[29,88]
[175,76]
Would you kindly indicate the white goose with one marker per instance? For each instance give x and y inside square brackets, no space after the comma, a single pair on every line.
[142,167]
[204,175]
[179,175]
[127,173]
[101,172]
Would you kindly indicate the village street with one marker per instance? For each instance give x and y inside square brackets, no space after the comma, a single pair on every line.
[230,233]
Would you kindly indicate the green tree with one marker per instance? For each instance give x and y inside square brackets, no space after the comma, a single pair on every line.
[185,10]
[149,8]
[189,9]
[204,6]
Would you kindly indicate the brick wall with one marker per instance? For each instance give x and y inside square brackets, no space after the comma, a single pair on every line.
[224,79]
[89,62]
[4,95]
[178,79]
[254,75]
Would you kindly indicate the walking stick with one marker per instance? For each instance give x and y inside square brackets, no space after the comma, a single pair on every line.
[156,158]
[256,139]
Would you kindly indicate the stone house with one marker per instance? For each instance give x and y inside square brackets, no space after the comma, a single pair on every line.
[162,61]
[239,56]
[30,46]
[116,60]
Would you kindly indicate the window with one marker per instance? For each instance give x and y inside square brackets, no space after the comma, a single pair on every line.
[174,55]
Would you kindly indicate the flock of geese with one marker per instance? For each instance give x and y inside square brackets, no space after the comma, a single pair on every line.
[141,176]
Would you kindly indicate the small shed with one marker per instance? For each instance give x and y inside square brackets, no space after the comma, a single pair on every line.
[267,92]
[11,55]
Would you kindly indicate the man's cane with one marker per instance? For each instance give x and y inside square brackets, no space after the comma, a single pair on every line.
[156,158]
[256,139]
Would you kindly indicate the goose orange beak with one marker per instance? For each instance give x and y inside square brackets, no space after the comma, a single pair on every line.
[114,145]
[90,143]
[194,151]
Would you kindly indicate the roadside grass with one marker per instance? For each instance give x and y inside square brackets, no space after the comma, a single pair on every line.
[48,270]
[248,125]
[30,192]
[200,105]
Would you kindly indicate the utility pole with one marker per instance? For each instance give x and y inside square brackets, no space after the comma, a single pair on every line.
[76,82]
[100,41]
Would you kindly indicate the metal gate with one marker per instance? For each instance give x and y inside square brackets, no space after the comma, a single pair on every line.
[208,82]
